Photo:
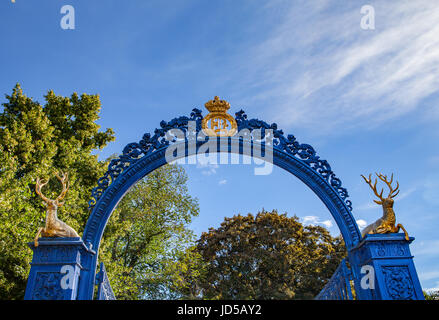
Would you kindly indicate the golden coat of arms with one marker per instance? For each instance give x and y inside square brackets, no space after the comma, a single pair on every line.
[218,122]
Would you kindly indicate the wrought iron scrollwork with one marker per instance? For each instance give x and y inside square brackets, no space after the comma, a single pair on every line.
[134,151]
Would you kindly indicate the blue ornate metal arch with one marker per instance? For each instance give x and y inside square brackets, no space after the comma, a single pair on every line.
[389,255]
[139,159]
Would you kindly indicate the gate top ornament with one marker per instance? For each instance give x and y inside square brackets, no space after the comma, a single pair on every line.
[219,119]
[385,224]
[133,152]
[54,227]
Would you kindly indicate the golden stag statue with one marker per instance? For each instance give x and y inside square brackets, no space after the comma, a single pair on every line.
[385,224]
[54,227]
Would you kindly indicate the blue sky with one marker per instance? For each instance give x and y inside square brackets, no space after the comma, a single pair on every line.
[367,100]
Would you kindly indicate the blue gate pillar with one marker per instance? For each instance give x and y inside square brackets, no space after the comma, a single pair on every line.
[56,268]
[384,268]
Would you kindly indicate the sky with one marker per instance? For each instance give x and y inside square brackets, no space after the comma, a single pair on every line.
[365,98]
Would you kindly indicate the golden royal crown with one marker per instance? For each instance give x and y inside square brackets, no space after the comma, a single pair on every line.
[217,106]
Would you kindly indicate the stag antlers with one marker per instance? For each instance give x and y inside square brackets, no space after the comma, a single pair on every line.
[393,192]
[65,185]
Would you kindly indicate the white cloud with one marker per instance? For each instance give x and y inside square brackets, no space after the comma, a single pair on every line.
[310,219]
[223,181]
[327,223]
[434,289]
[361,224]
[314,220]
[321,68]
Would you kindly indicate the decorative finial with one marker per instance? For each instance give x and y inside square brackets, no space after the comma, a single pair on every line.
[54,226]
[220,120]
[385,224]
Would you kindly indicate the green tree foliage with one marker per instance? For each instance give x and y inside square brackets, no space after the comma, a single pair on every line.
[148,233]
[431,295]
[267,256]
[36,141]
[185,273]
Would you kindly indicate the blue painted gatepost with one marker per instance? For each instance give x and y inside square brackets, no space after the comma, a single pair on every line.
[56,267]
[389,259]
[66,268]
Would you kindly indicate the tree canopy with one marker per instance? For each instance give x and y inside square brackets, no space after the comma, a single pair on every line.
[267,256]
